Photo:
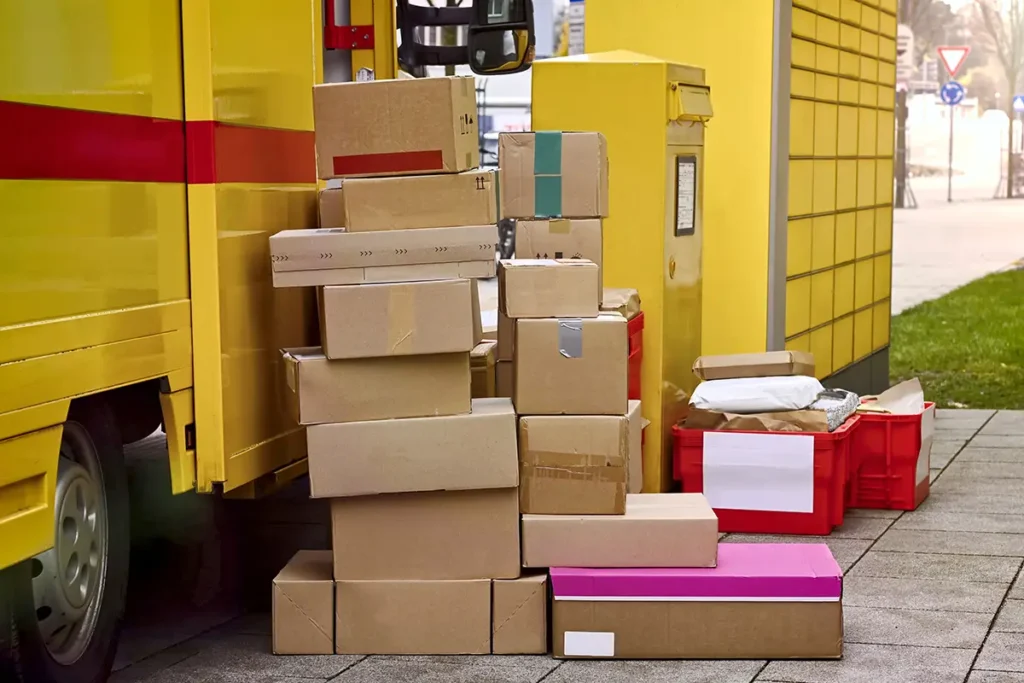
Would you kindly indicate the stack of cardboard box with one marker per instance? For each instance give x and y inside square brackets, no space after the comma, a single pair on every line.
[423,480]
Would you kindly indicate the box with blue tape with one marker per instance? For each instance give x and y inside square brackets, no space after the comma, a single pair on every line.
[553,174]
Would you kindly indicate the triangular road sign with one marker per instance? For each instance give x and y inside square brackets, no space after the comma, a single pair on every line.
[1018,103]
[953,57]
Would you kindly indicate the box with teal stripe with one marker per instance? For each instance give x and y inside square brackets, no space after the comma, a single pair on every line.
[553,174]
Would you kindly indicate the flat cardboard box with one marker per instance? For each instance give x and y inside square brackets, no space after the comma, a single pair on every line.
[635,471]
[423,201]
[506,333]
[331,203]
[442,535]
[303,605]
[320,390]
[763,601]
[481,367]
[396,127]
[571,366]
[553,174]
[486,268]
[333,248]
[413,617]
[504,378]
[549,288]
[455,453]
[561,238]
[658,530]
[398,319]
[625,302]
[770,364]
[520,616]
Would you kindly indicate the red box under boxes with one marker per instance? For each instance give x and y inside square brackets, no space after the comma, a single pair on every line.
[831,451]
[890,460]
[635,329]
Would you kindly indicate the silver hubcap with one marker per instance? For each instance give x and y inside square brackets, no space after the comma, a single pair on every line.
[68,579]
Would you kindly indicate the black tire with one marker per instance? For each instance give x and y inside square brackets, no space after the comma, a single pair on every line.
[22,649]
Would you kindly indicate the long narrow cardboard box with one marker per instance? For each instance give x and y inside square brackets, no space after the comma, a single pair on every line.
[416,202]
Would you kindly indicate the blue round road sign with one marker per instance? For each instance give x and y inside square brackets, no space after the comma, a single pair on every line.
[952,93]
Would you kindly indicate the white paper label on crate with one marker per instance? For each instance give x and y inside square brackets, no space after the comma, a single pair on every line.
[924,458]
[589,644]
[763,472]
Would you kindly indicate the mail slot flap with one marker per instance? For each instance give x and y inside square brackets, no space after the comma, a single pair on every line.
[689,102]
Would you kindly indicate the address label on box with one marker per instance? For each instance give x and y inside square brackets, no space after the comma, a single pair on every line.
[759,472]
[589,644]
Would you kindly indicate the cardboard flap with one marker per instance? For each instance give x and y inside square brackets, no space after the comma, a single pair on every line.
[906,398]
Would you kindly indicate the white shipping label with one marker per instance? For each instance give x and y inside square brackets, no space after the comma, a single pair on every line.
[589,644]
[764,472]
[686,195]
[924,458]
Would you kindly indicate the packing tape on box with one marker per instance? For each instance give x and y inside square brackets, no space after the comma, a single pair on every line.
[401,315]
[547,174]
[570,337]
[562,460]
[595,473]
[559,226]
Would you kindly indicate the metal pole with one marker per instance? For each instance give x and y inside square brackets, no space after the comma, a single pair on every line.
[949,188]
[901,149]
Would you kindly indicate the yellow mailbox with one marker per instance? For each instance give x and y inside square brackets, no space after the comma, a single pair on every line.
[653,114]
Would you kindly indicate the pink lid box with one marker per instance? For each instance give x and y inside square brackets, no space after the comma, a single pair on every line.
[754,571]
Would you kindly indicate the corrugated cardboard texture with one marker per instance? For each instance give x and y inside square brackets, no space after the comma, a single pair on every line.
[331,204]
[318,390]
[770,364]
[561,238]
[485,268]
[329,248]
[481,365]
[553,175]
[506,333]
[788,421]
[625,302]
[504,375]
[396,127]
[303,605]
[573,465]
[429,201]
[520,616]
[571,367]
[700,630]
[455,453]
[635,426]
[414,617]
[658,530]
[548,288]
[398,319]
[441,535]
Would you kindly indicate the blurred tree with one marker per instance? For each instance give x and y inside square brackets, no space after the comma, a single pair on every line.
[931,21]
[980,83]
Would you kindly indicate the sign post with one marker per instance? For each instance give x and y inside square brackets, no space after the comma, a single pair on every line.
[952,93]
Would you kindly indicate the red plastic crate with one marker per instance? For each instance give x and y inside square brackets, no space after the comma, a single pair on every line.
[635,329]
[831,451]
[888,469]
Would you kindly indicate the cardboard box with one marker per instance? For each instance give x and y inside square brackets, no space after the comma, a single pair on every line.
[396,127]
[561,238]
[547,288]
[303,605]
[426,201]
[658,530]
[504,374]
[331,205]
[520,616]
[486,268]
[320,390]
[399,319]
[635,471]
[332,248]
[413,617]
[763,601]
[442,535]
[455,453]
[553,175]
[481,367]
[571,367]
[770,364]
[506,333]
[625,302]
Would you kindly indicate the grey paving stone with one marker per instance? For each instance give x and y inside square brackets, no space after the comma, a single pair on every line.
[995,677]
[1015,428]
[868,663]
[866,528]
[956,499]
[982,441]
[1002,652]
[1011,617]
[953,482]
[959,423]
[933,475]
[973,454]
[656,672]
[930,520]
[1017,589]
[922,594]
[986,470]
[942,414]
[954,434]
[876,514]
[950,567]
[940,459]
[846,550]
[881,626]
[481,669]
[947,447]
[952,542]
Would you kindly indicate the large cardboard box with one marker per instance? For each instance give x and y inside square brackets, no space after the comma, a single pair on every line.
[426,201]
[396,127]
[413,617]
[520,616]
[439,535]
[553,175]
[481,367]
[576,464]
[561,238]
[399,319]
[571,366]
[763,601]
[658,530]
[504,378]
[455,453]
[770,364]
[320,390]
[303,605]
[331,206]
[635,473]
[506,333]
[486,268]
[547,288]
